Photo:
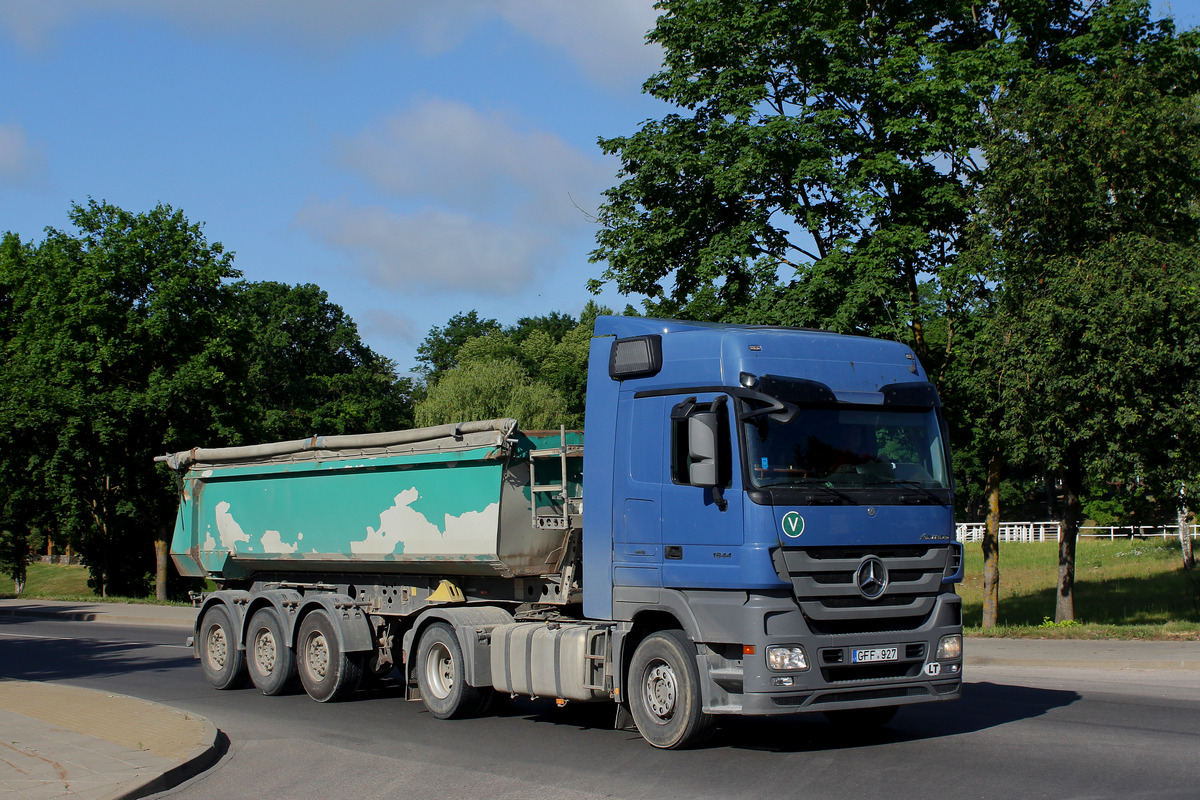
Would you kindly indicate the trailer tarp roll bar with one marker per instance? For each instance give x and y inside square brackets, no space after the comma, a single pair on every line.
[454,432]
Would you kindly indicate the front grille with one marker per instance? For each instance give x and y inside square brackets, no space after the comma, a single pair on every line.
[823,581]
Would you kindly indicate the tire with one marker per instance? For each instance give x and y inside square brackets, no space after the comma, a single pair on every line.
[327,674]
[223,664]
[664,693]
[854,720]
[441,674]
[272,664]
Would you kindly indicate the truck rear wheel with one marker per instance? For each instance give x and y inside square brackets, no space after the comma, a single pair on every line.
[327,674]
[664,692]
[271,662]
[441,674]
[223,664]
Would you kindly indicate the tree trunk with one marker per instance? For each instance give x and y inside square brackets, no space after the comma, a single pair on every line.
[991,546]
[160,568]
[1072,489]
[1185,530]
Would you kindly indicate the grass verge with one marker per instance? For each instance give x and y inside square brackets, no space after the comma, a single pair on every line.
[1127,589]
[1124,589]
[62,582]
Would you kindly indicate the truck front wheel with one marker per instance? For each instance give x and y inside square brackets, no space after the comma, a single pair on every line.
[327,674]
[223,664]
[664,692]
[272,663]
[441,675]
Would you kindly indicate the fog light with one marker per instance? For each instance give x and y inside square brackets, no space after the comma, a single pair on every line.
[784,680]
[786,657]
[950,648]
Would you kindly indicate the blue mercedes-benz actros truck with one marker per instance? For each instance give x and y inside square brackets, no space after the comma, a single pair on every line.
[761,522]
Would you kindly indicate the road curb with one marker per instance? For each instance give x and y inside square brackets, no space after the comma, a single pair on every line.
[197,761]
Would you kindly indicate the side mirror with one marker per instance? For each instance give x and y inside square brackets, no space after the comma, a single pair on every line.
[704,463]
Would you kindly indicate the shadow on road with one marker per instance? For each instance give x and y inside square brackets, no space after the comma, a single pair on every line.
[983,706]
[35,658]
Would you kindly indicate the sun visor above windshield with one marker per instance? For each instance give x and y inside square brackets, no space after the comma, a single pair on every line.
[860,398]
[920,394]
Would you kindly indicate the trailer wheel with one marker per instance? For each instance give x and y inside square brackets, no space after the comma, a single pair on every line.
[271,662]
[441,675]
[223,664]
[664,692]
[327,674]
[861,719]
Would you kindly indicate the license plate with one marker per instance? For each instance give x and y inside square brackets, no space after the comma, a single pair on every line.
[866,655]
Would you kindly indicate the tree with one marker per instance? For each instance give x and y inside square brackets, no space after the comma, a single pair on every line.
[126,339]
[306,370]
[114,349]
[1093,194]
[822,169]
[547,355]
[439,351]
[491,389]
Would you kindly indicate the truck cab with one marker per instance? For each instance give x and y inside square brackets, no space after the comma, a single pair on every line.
[781,502]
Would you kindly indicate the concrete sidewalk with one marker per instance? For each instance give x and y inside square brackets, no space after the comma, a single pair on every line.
[64,741]
[59,741]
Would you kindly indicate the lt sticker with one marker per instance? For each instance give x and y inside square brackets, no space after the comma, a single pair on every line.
[793,524]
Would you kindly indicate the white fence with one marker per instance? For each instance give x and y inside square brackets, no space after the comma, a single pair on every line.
[1051,531]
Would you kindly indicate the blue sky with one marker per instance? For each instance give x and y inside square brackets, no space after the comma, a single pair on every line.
[414,158]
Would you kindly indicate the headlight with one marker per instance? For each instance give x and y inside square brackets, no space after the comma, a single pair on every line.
[950,648]
[786,657]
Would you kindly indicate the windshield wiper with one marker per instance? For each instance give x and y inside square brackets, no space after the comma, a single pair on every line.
[912,484]
[829,490]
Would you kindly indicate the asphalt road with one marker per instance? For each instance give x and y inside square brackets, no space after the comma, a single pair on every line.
[1017,733]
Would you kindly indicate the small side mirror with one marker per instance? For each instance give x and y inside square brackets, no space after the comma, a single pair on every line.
[704,467]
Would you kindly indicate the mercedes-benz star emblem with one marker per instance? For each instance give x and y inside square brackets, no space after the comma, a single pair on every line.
[871,578]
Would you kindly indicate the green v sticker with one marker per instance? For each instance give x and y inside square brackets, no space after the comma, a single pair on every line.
[793,524]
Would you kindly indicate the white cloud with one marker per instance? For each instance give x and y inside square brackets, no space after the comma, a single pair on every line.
[429,250]
[496,203]
[20,162]
[606,38]
[379,323]
[448,152]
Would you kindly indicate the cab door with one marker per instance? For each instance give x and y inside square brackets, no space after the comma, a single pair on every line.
[702,529]
[637,497]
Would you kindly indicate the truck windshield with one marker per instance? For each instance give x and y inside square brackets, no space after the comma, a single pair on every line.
[848,447]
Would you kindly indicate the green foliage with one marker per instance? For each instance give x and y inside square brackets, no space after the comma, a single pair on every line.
[820,170]
[307,371]
[114,349]
[535,372]
[490,389]
[439,351]
[127,338]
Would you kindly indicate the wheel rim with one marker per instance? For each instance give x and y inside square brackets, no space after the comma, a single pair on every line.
[660,690]
[265,652]
[316,655]
[216,648]
[439,670]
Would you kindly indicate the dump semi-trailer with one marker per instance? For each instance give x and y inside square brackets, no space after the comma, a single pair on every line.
[760,523]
